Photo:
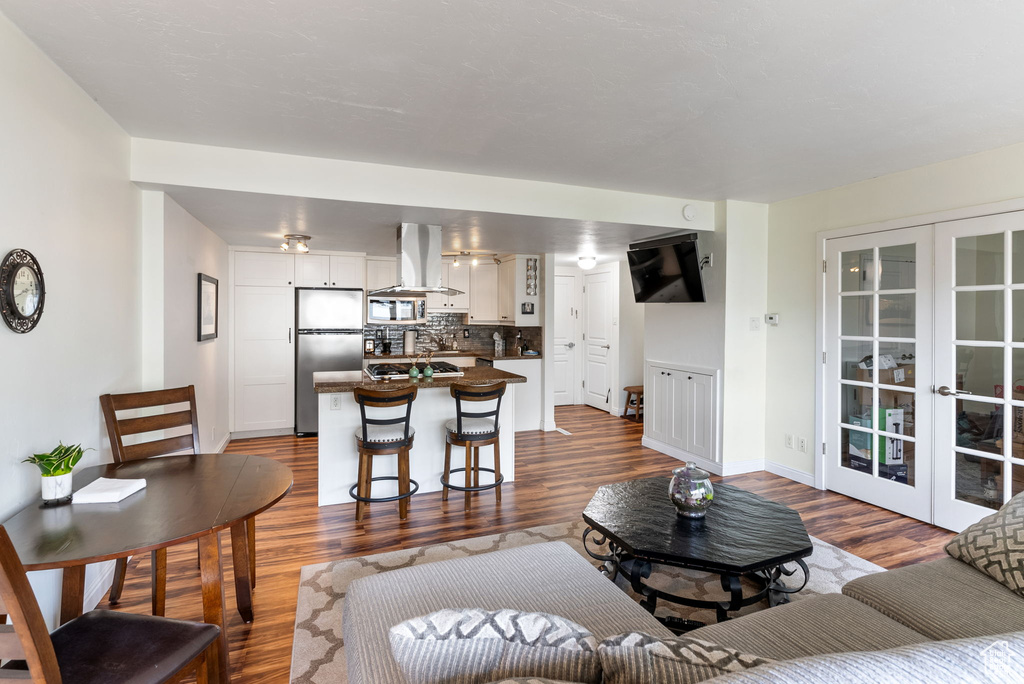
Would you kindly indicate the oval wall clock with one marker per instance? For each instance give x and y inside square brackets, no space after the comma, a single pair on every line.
[22,292]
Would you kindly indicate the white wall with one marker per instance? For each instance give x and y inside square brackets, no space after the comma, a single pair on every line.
[65,196]
[191,248]
[631,339]
[794,271]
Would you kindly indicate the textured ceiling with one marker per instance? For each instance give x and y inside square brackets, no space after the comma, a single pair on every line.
[252,219]
[707,99]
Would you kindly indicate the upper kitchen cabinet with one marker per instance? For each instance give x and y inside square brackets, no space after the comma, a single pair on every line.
[507,290]
[455,277]
[381,272]
[483,293]
[264,269]
[348,271]
[312,270]
[519,290]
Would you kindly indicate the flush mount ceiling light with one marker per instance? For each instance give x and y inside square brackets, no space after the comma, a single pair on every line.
[587,262]
[299,240]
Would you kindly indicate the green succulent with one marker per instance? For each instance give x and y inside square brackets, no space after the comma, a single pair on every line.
[60,461]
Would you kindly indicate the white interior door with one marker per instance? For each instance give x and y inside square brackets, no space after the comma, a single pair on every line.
[264,358]
[878,369]
[597,339]
[564,360]
[979,366]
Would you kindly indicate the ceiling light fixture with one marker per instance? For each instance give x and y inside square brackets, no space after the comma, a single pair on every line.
[587,262]
[299,240]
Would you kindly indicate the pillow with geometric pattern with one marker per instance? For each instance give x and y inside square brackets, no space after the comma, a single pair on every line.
[638,658]
[475,646]
[995,545]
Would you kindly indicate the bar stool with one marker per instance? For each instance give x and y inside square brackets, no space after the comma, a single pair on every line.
[379,436]
[635,401]
[473,430]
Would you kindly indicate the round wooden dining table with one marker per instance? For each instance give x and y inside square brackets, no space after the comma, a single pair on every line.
[186,498]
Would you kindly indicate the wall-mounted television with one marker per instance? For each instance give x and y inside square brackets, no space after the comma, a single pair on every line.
[666,270]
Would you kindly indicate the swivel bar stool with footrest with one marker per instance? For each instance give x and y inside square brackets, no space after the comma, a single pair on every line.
[474,430]
[378,436]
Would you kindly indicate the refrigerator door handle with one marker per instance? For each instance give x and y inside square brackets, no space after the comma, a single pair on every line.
[289,335]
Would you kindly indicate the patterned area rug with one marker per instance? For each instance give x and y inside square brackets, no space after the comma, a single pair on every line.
[318,650]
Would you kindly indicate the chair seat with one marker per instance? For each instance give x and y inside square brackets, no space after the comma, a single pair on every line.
[107,647]
[472,426]
[383,434]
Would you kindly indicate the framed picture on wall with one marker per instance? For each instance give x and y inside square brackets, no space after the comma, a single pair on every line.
[208,314]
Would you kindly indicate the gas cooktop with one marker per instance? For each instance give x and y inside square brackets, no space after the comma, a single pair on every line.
[391,371]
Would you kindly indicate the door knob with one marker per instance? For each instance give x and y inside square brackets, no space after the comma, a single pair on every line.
[946,392]
[606,346]
[570,345]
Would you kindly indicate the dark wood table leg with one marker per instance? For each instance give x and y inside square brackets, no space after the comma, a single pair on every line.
[213,601]
[240,566]
[72,593]
[250,529]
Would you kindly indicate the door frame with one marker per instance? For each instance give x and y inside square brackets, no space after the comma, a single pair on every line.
[821,237]
[577,296]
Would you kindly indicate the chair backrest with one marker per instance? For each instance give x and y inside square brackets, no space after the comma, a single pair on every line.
[477,393]
[27,639]
[386,399]
[117,429]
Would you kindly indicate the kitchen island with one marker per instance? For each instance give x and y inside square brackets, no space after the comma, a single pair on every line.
[434,406]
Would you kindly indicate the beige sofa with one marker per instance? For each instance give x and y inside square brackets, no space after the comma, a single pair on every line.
[921,604]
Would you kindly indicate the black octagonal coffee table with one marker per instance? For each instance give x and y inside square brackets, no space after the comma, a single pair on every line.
[742,535]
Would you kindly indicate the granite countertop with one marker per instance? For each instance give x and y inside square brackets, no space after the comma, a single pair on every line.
[460,353]
[346,381]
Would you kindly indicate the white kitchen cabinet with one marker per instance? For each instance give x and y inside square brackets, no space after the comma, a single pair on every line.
[312,270]
[348,271]
[381,272]
[264,358]
[264,269]
[679,410]
[507,291]
[483,293]
[455,277]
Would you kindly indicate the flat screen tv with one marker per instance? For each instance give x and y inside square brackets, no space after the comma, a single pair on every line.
[666,270]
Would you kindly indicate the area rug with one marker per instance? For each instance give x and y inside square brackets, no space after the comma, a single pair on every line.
[318,650]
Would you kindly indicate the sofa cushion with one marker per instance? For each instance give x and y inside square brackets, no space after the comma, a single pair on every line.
[637,658]
[942,599]
[830,623]
[550,578]
[995,545]
[988,660]
[474,646]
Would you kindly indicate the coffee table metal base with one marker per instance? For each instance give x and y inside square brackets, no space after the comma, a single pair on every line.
[636,570]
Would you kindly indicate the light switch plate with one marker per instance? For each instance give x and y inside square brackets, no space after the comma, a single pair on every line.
[755,323]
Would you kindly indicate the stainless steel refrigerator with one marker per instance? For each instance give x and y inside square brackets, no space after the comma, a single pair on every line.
[330,338]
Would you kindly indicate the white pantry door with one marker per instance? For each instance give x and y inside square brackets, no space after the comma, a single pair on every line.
[979,366]
[878,369]
[597,342]
[564,361]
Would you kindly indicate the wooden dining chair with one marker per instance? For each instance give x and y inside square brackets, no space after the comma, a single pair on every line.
[176,420]
[100,647]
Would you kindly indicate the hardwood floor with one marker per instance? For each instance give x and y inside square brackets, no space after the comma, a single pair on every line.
[556,475]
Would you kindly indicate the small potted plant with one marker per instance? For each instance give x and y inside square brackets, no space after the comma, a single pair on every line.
[56,468]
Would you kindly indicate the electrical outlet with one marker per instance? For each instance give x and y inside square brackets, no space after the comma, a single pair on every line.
[465,332]
[771,319]
[803,444]
[789,441]
[335,402]
[755,323]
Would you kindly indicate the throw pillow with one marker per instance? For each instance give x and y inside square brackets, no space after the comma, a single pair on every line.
[635,657]
[475,646]
[995,545]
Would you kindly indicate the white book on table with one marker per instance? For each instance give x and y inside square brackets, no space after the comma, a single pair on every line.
[107,490]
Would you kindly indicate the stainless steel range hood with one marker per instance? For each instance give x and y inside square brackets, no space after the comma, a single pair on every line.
[419,263]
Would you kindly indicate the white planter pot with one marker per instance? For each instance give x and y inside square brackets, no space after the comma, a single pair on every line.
[56,487]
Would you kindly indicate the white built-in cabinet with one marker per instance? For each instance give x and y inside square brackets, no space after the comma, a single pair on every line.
[264,269]
[679,410]
[322,270]
[514,273]
[381,272]
[507,291]
[483,293]
[348,271]
[457,278]
[264,357]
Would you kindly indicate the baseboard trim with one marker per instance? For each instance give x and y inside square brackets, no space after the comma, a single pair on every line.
[754,465]
[682,455]
[99,586]
[223,444]
[789,473]
[252,434]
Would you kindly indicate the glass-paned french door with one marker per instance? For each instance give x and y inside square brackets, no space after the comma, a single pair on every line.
[979,366]
[878,366]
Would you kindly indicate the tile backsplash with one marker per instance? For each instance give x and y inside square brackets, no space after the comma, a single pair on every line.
[444,326]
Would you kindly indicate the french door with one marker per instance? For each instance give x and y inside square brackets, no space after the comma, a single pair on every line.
[878,366]
[924,368]
[979,366]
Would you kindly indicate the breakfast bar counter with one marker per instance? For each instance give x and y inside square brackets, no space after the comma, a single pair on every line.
[434,406]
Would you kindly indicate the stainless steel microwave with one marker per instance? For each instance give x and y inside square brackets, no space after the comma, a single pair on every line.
[403,310]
